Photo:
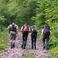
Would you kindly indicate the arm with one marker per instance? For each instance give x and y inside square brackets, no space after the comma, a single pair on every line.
[42,31]
[21,28]
[17,28]
[29,29]
[9,28]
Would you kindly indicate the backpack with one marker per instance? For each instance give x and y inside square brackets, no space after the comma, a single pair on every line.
[34,33]
[46,32]
[13,28]
[26,28]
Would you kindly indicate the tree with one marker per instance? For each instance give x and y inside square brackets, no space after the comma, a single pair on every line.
[46,12]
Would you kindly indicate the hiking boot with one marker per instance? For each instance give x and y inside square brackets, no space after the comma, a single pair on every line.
[22,47]
[47,48]
[44,47]
[13,45]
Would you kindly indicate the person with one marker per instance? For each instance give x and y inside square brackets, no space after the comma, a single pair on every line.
[46,34]
[25,31]
[33,37]
[13,29]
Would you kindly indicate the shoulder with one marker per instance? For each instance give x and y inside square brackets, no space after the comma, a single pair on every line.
[42,29]
[10,25]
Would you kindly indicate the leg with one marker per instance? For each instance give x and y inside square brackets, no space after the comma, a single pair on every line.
[46,43]
[25,40]
[43,42]
[12,44]
[35,43]
[23,36]
[14,36]
[32,42]
[24,43]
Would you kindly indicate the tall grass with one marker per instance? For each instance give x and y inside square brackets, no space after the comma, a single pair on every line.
[3,39]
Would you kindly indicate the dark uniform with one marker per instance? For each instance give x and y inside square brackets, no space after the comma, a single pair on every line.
[33,39]
[25,33]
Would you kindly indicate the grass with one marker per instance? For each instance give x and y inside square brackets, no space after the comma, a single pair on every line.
[54,52]
[54,47]
[3,39]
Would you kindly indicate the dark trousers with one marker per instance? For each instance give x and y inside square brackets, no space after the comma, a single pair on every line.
[45,42]
[33,42]
[25,35]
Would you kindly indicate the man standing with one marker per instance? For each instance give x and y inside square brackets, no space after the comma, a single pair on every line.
[33,37]
[25,31]
[46,34]
[13,29]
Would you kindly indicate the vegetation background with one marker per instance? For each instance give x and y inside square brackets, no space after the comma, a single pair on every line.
[34,12]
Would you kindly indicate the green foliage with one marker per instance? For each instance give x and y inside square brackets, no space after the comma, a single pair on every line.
[17,10]
[3,39]
[31,11]
[55,52]
[56,33]
[46,11]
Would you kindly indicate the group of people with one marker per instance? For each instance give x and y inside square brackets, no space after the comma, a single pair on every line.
[25,29]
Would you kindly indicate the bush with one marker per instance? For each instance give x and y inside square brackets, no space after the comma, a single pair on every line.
[3,39]
[55,33]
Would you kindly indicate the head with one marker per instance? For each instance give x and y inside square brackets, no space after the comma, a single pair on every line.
[45,25]
[33,27]
[26,24]
[13,23]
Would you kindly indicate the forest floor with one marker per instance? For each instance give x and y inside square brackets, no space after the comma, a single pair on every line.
[18,52]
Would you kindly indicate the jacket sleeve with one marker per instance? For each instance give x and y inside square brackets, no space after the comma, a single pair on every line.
[9,26]
[42,31]
[21,28]
[29,28]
